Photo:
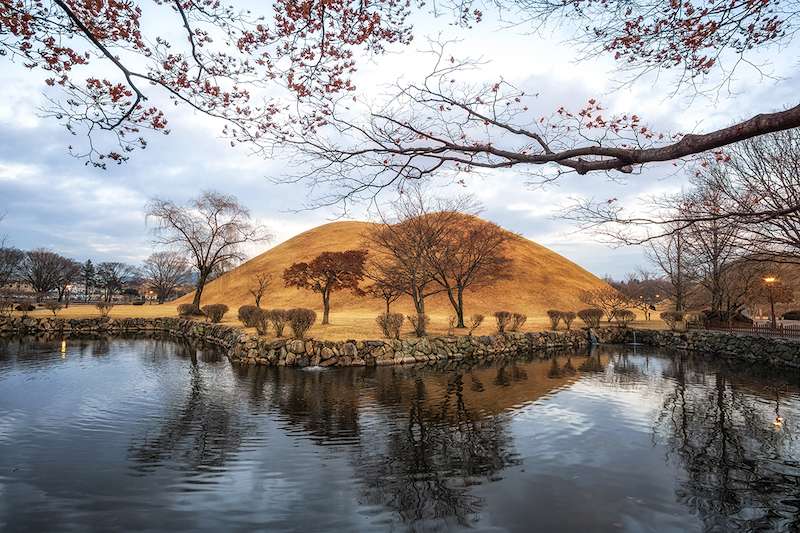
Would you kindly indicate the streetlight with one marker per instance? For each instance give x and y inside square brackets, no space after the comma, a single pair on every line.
[770,281]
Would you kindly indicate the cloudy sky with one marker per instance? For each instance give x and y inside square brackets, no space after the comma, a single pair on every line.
[53,200]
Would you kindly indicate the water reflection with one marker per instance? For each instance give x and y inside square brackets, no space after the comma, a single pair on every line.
[168,435]
[739,471]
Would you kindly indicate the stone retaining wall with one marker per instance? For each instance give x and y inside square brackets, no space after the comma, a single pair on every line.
[775,351]
[248,349]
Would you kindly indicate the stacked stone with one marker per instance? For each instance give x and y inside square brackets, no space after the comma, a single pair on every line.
[253,350]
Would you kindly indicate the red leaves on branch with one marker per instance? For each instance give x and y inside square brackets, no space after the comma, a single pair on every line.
[307,47]
[687,33]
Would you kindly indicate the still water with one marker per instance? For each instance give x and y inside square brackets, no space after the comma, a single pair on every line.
[155,435]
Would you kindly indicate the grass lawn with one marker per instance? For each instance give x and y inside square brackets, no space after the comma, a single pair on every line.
[344,325]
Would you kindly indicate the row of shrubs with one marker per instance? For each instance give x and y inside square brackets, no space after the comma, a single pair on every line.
[299,320]
[591,317]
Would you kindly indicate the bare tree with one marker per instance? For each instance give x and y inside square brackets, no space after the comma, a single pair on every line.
[41,269]
[713,246]
[385,288]
[210,229]
[609,299]
[113,276]
[760,180]
[401,245]
[448,123]
[755,186]
[310,51]
[470,254]
[69,274]
[11,260]
[643,291]
[669,255]
[260,284]
[164,272]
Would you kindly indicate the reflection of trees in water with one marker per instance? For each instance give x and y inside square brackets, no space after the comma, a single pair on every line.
[508,374]
[625,372]
[198,434]
[592,363]
[558,371]
[323,405]
[426,463]
[739,473]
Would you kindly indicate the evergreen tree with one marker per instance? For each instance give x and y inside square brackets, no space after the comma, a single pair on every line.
[89,275]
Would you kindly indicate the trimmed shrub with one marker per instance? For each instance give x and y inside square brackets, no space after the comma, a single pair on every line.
[791,315]
[301,320]
[672,318]
[390,324]
[568,317]
[53,307]
[189,310]
[247,315]
[215,312]
[517,320]
[260,321]
[25,308]
[104,308]
[555,370]
[503,318]
[420,323]
[474,322]
[591,317]
[6,307]
[278,318]
[555,317]
[624,317]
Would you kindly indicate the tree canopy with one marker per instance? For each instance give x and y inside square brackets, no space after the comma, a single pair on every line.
[106,60]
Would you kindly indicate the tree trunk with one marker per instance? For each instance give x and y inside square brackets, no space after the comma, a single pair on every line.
[387,305]
[457,302]
[460,309]
[419,301]
[326,307]
[198,290]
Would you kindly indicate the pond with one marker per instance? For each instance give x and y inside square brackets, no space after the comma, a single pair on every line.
[150,434]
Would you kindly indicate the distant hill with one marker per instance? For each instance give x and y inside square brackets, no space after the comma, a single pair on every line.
[540,279]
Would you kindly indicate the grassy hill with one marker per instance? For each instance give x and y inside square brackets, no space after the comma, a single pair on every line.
[540,280]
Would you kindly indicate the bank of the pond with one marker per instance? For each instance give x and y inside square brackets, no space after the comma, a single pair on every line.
[775,351]
[243,348]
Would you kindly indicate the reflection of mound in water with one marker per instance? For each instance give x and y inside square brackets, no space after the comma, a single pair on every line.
[557,371]
[476,384]
[506,375]
[314,368]
[592,364]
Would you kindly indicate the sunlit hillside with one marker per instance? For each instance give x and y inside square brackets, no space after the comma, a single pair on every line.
[540,280]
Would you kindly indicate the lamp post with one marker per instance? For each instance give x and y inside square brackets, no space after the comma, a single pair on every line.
[770,282]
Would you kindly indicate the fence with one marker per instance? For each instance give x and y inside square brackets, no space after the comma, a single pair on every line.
[780,330]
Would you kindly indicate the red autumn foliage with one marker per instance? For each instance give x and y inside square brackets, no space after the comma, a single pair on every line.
[328,272]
